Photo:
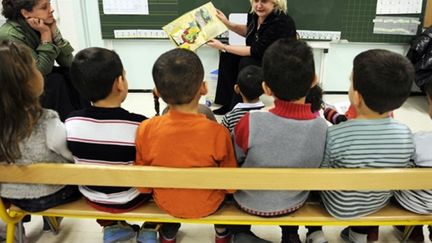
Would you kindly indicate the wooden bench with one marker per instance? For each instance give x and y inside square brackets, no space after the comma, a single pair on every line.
[220,178]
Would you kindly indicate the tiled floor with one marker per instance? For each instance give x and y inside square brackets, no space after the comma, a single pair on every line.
[413,113]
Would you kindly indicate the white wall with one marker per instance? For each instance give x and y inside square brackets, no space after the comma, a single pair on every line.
[67,20]
[338,62]
[81,25]
[2,19]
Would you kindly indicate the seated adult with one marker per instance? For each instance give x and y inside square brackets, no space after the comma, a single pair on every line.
[32,23]
[267,22]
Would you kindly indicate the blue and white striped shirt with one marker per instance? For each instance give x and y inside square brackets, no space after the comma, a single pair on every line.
[361,143]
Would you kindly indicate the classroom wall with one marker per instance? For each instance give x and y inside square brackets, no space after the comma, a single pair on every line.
[81,25]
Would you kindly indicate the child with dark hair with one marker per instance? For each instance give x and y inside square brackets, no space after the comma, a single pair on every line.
[380,83]
[183,138]
[105,134]
[28,133]
[249,87]
[289,74]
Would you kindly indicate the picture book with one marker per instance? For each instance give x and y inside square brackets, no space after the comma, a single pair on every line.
[195,28]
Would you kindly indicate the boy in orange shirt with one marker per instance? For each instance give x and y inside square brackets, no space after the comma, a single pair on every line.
[183,138]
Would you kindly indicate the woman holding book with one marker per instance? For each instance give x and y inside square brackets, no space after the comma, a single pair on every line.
[267,22]
[32,23]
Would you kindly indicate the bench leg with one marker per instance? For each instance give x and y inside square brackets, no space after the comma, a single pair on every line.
[20,232]
[10,232]
[407,233]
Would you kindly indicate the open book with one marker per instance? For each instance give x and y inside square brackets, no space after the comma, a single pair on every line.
[195,28]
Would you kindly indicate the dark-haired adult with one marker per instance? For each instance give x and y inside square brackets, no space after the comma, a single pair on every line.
[32,23]
[267,22]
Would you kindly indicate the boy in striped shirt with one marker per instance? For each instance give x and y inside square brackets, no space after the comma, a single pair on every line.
[380,83]
[249,87]
[104,134]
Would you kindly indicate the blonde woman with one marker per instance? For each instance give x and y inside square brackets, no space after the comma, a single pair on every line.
[267,22]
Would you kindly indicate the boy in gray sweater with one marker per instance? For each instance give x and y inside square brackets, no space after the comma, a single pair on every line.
[280,137]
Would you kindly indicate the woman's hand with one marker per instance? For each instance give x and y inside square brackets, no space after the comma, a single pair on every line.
[42,28]
[53,27]
[222,17]
[38,25]
[237,28]
[216,44]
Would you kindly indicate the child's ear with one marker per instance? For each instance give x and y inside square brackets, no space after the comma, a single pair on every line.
[266,89]
[120,83]
[237,89]
[357,99]
[203,89]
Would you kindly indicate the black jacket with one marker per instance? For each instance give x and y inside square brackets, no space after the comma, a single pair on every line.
[276,25]
[420,54]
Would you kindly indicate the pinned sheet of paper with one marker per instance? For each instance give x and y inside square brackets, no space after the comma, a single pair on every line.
[125,7]
[399,6]
[396,25]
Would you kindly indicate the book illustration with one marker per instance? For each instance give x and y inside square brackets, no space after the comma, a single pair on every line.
[203,17]
[190,34]
[195,27]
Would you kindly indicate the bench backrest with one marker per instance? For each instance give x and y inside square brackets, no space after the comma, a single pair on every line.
[219,178]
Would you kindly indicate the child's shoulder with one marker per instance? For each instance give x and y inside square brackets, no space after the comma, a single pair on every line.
[49,122]
[98,113]
[423,154]
[123,114]
[136,117]
[423,136]
[49,114]
[370,126]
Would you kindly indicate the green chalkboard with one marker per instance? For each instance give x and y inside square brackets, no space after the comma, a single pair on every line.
[161,13]
[352,17]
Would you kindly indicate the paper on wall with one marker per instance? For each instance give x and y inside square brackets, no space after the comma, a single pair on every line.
[125,7]
[396,25]
[399,6]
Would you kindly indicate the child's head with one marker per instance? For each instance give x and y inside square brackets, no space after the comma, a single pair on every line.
[382,78]
[21,85]
[289,69]
[94,72]
[178,75]
[249,83]
[315,98]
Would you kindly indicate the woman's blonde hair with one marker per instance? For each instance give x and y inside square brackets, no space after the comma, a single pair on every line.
[280,5]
